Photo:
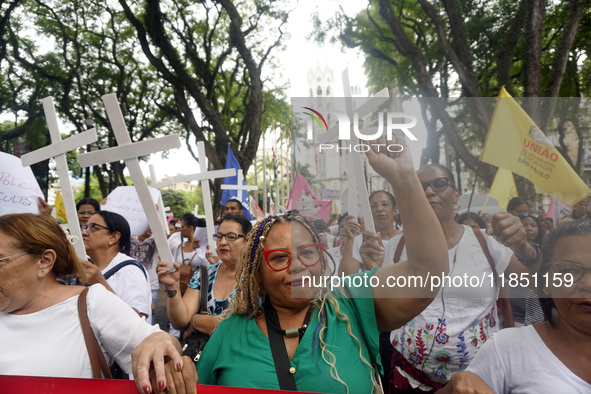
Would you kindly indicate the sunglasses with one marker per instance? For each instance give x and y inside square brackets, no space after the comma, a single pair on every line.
[437,184]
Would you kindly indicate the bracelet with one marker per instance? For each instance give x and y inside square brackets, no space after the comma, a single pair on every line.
[193,320]
[533,258]
[170,293]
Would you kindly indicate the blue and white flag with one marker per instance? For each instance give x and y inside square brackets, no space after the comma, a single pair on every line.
[232,162]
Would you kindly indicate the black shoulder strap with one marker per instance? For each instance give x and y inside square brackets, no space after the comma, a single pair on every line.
[279,352]
[204,280]
[116,268]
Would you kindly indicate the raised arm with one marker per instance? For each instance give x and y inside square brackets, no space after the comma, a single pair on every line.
[180,309]
[425,242]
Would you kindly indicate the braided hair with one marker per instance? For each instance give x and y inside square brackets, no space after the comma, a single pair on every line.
[249,291]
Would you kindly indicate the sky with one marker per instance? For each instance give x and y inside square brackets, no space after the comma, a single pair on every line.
[298,57]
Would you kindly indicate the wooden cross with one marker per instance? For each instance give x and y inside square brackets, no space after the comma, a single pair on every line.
[162,209]
[206,176]
[356,181]
[239,187]
[129,152]
[203,177]
[58,150]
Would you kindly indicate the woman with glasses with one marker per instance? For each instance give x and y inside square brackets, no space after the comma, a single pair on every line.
[444,338]
[106,238]
[552,356]
[40,326]
[366,251]
[286,330]
[183,312]
[86,208]
[186,250]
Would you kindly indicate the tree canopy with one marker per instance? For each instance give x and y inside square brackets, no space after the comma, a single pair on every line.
[470,48]
[201,69]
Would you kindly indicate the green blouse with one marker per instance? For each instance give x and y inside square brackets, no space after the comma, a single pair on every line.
[238,353]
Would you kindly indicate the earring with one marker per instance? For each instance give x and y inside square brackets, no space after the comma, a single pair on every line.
[457,206]
[110,243]
[42,272]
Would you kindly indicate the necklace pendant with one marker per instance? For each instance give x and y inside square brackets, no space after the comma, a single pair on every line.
[292,332]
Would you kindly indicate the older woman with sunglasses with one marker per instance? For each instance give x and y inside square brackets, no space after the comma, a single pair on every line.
[183,311]
[106,238]
[444,338]
[553,356]
[287,330]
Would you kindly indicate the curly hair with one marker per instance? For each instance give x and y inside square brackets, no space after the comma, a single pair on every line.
[250,293]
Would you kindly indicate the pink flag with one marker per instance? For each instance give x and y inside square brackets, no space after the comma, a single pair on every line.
[557,210]
[307,203]
[256,211]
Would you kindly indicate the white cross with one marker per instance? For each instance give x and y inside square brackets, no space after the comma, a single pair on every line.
[204,176]
[128,151]
[161,212]
[355,165]
[239,187]
[58,150]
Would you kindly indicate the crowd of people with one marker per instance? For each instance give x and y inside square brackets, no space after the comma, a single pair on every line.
[296,303]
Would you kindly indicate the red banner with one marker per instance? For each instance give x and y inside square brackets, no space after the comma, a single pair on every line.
[45,385]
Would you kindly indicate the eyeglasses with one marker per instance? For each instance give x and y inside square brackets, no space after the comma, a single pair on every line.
[384,204]
[86,213]
[14,255]
[280,259]
[437,184]
[528,215]
[564,268]
[230,237]
[92,227]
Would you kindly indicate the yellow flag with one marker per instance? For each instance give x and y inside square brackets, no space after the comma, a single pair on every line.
[503,188]
[516,143]
[60,209]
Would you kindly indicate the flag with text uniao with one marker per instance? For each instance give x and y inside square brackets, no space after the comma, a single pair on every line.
[232,162]
[515,142]
[303,199]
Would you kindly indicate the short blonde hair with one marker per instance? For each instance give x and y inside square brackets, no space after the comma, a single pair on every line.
[37,233]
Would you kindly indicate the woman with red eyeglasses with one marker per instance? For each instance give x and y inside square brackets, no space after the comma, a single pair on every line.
[289,327]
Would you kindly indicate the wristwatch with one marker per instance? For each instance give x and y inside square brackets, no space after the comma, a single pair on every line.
[170,293]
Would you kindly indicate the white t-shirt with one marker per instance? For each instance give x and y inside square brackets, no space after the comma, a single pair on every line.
[131,285]
[50,342]
[444,338]
[357,242]
[517,360]
[177,254]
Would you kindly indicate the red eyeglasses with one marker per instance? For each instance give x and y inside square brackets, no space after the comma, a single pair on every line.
[280,259]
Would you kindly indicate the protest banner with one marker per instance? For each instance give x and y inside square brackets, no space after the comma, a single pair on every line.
[125,201]
[50,385]
[19,190]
